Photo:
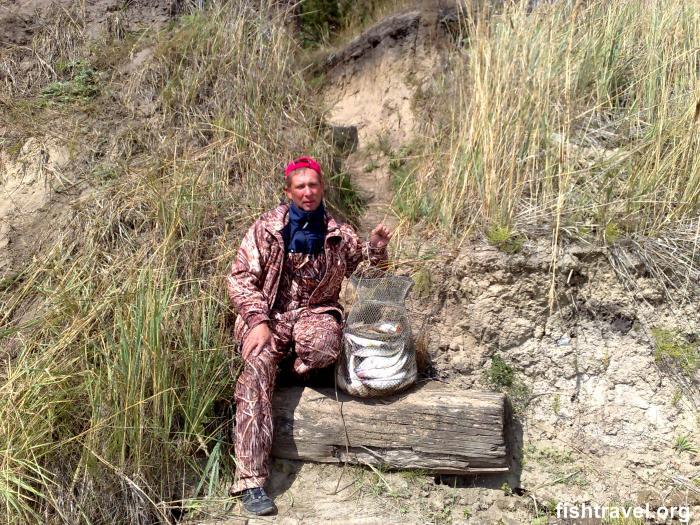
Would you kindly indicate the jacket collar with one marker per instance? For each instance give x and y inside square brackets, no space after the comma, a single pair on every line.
[280,217]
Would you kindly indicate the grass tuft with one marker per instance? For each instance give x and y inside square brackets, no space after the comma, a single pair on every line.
[505,239]
[502,377]
[672,348]
[81,86]
[684,444]
[500,373]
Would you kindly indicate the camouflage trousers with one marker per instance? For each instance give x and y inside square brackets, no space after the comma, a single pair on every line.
[317,341]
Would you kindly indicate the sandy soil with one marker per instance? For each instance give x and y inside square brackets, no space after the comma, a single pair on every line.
[20,19]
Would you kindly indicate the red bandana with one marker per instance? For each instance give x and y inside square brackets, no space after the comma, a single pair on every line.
[302,162]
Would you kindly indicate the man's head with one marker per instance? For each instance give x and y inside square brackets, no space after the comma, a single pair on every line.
[304,183]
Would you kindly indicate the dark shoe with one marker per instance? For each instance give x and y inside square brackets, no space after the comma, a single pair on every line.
[257,502]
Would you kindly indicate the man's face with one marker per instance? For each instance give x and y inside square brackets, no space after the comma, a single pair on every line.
[305,189]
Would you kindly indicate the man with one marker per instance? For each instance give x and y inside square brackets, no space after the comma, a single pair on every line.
[285,284]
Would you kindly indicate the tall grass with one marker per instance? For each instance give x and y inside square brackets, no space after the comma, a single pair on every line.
[579,116]
[116,344]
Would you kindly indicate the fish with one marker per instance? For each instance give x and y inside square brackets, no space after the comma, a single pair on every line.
[364,342]
[385,352]
[377,367]
[384,328]
[373,367]
[393,383]
[380,328]
[348,380]
[364,347]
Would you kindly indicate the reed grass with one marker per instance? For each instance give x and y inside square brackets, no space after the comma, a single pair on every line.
[573,117]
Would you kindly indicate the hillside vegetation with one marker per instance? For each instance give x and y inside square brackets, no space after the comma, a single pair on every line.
[578,120]
[117,339]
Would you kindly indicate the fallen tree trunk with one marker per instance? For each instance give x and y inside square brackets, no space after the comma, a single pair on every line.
[432,427]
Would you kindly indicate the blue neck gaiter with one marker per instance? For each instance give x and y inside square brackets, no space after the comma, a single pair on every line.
[306,230]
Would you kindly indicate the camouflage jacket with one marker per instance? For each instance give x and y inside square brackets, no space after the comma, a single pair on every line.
[255,274]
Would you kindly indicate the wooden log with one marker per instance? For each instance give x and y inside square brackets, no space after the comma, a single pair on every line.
[432,427]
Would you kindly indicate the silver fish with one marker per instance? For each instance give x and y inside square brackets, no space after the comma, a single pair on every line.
[364,347]
[348,380]
[393,383]
[377,367]
[370,366]
[380,328]
[364,341]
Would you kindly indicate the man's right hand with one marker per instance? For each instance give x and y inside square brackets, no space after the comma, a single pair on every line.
[257,338]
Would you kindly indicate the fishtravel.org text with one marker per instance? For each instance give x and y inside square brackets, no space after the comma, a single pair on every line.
[585,510]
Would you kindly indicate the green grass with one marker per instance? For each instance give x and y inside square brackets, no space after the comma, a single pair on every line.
[373,480]
[500,374]
[505,239]
[82,85]
[345,194]
[423,282]
[370,166]
[318,19]
[549,455]
[684,444]
[409,201]
[673,349]
[503,377]
[556,404]
[611,233]
[325,24]
[507,490]
[414,475]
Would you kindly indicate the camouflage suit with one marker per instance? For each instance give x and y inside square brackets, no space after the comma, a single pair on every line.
[298,298]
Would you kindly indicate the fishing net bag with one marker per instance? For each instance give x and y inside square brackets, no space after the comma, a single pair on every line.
[378,356]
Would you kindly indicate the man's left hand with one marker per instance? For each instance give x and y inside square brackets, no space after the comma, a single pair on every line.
[380,236]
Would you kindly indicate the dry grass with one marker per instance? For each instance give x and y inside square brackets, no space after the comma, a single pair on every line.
[59,40]
[115,389]
[577,121]
[577,116]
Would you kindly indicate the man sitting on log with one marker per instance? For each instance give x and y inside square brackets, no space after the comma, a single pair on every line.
[285,284]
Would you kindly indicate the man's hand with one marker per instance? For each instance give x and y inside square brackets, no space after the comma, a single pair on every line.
[258,337]
[380,236]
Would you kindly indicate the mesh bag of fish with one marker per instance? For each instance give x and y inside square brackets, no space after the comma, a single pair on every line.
[378,357]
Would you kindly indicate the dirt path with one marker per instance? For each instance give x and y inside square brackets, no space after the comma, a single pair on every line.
[373,84]
[372,181]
